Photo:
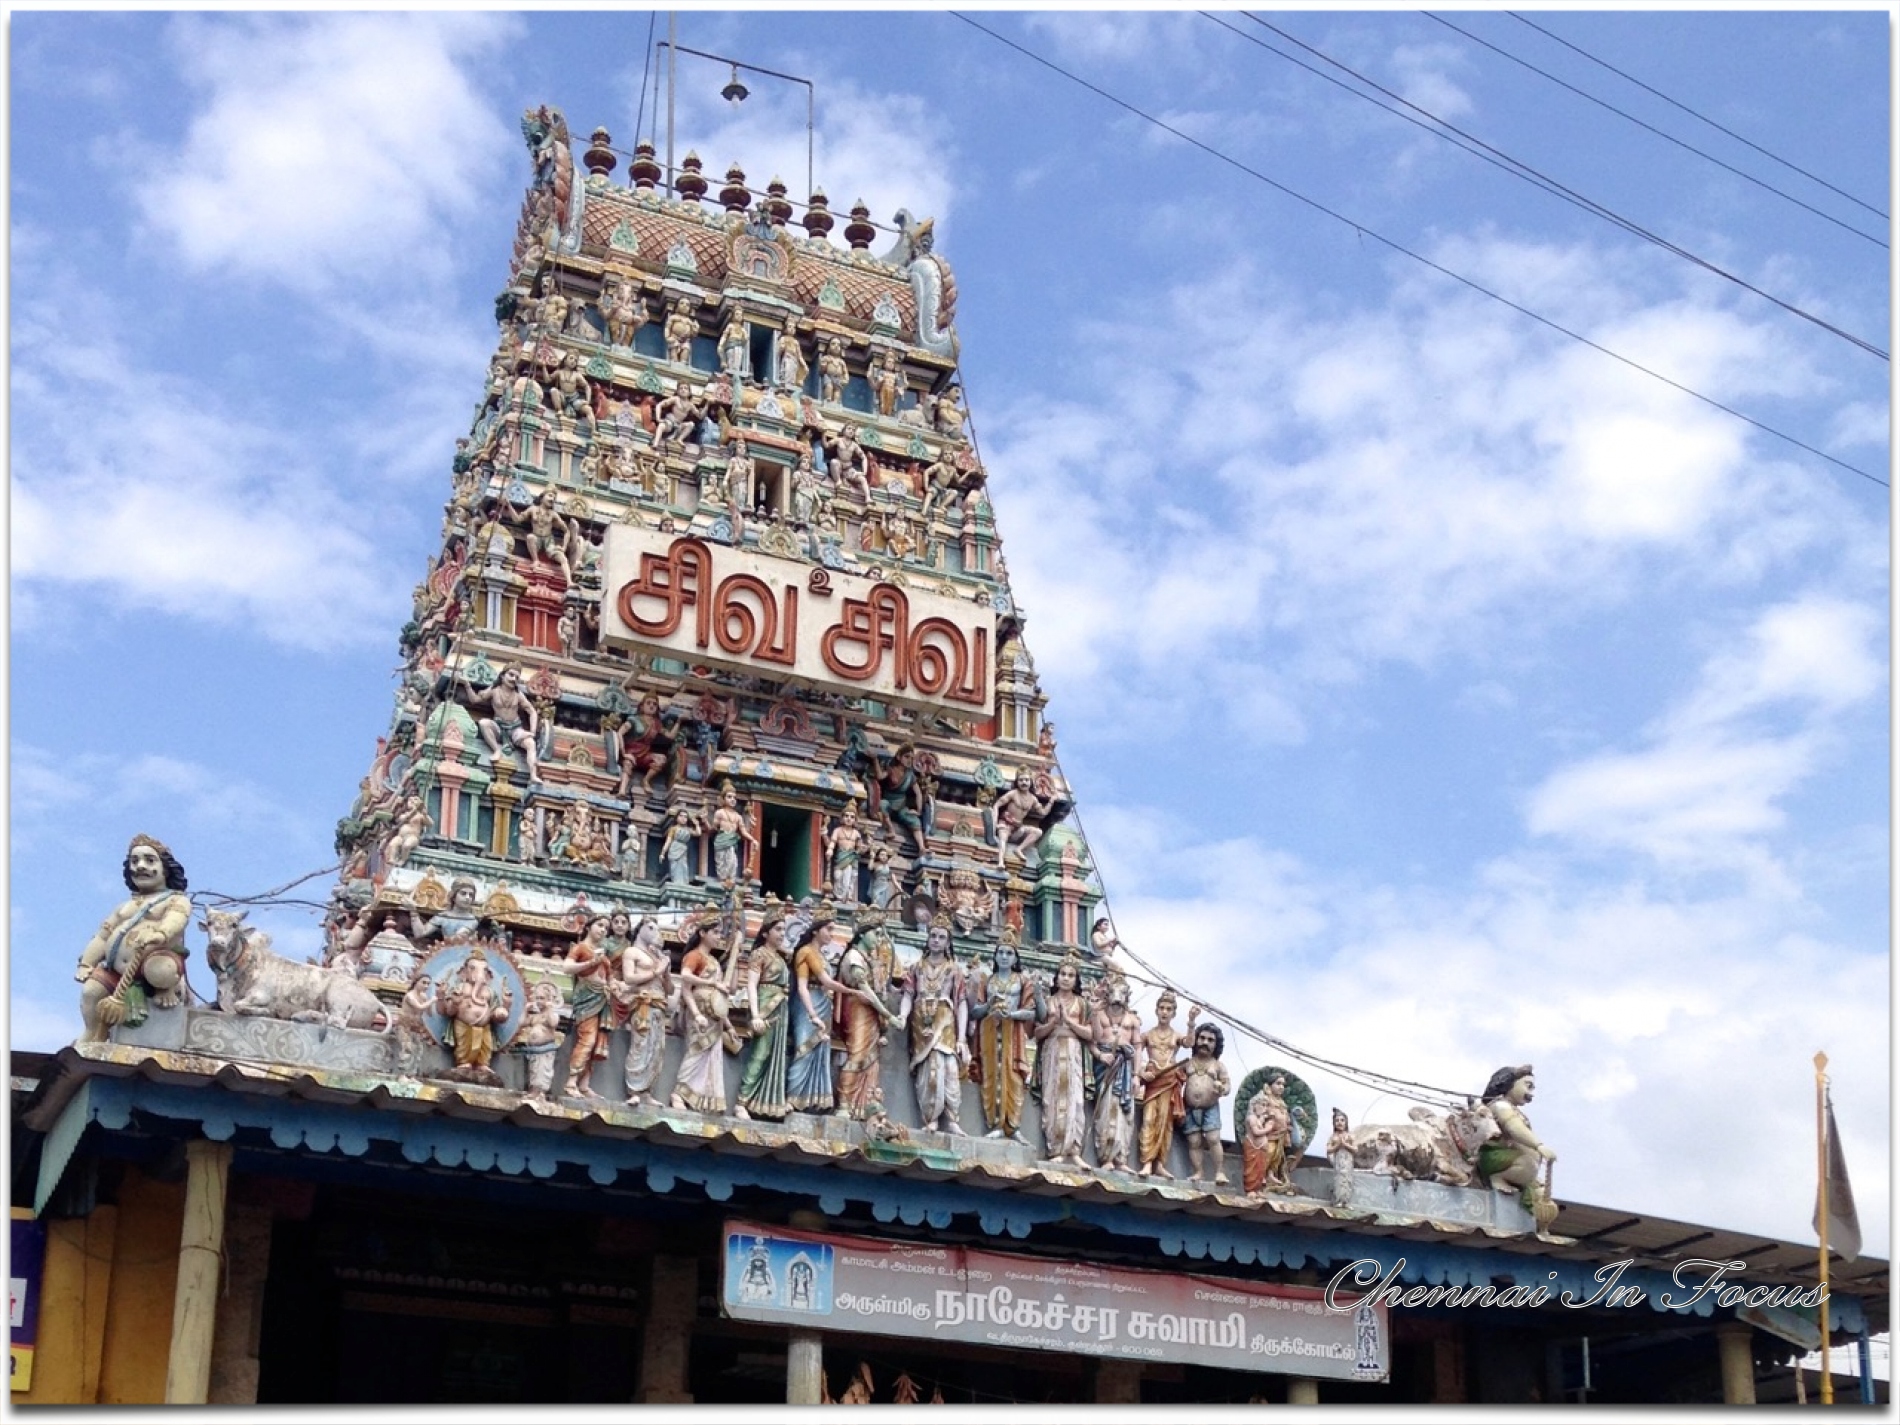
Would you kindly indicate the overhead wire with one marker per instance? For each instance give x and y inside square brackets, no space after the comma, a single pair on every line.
[646,70]
[1660,133]
[1517,168]
[1458,277]
[1695,114]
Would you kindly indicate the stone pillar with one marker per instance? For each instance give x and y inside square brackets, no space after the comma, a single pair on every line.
[200,1254]
[1448,1371]
[240,1313]
[1117,1382]
[1737,1345]
[666,1346]
[1302,1390]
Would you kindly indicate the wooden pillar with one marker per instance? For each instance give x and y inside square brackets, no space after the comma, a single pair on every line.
[1302,1390]
[666,1346]
[1117,1382]
[200,1255]
[1736,1342]
[240,1314]
[1448,1371]
[805,1350]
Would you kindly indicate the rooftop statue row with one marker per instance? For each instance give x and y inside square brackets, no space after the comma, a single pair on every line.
[806,1007]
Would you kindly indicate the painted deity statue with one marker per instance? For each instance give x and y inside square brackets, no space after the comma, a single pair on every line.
[1018,816]
[934,1008]
[138,955]
[1206,1085]
[735,349]
[509,715]
[1339,1152]
[683,830]
[474,1002]
[1114,1046]
[762,1091]
[1266,1140]
[646,745]
[808,1086]
[842,849]
[1062,1032]
[899,796]
[590,961]
[730,830]
[680,329]
[1512,1159]
[1163,1076]
[832,372]
[861,1028]
[454,923]
[641,994]
[708,1031]
[883,889]
[1005,1015]
[792,369]
[539,1039]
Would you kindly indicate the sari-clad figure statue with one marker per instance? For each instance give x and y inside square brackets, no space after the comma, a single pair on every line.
[768,986]
[1062,1032]
[860,1029]
[705,1020]
[642,996]
[1005,1013]
[808,1071]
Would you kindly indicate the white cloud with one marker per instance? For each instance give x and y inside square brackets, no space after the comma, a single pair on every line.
[1115,37]
[1709,786]
[48,788]
[1322,494]
[180,501]
[1424,78]
[327,151]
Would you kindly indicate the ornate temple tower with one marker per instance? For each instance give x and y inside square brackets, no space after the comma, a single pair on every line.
[718,621]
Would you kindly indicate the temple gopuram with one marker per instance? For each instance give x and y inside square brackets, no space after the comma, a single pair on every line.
[718,1002]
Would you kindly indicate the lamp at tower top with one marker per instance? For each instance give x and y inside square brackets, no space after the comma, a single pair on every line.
[735,93]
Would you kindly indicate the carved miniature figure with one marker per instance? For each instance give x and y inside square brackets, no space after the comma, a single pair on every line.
[735,349]
[704,1007]
[887,381]
[1266,1140]
[683,830]
[883,888]
[899,797]
[539,1038]
[808,1086]
[1512,1159]
[850,467]
[411,825]
[1339,1152]
[941,479]
[591,964]
[767,990]
[572,393]
[862,1024]
[1163,1078]
[730,829]
[138,956]
[454,923]
[549,534]
[1005,1015]
[1113,1044]
[739,472]
[933,1007]
[474,1003]
[510,713]
[646,745]
[947,412]
[626,312]
[805,491]
[842,846]
[1207,1084]
[1018,812]
[833,374]
[677,419]
[581,838]
[1432,1147]
[1061,1033]
[680,329]
[792,369]
[641,995]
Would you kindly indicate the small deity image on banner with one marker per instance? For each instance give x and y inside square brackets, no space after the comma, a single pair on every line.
[766,1271]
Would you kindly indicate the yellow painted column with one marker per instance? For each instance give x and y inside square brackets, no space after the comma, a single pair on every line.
[200,1254]
[804,1350]
[1737,1345]
[666,1346]
[1302,1390]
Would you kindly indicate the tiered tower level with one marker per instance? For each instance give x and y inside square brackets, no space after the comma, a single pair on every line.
[720,618]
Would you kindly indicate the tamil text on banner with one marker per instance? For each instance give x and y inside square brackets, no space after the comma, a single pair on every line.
[832,1283]
[729,607]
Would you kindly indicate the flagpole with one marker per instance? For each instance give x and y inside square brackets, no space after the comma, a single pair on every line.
[1820,1140]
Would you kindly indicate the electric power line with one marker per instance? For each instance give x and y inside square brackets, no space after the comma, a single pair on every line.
[1420,258]
[646,70]
[1720,128]
[1517,168]
[1662,134]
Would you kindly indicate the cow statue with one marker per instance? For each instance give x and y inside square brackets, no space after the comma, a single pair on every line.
[1433,1147]
[254,979]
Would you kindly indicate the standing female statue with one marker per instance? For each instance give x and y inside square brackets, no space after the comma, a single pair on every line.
[767,989]
[1062,1031]
[808,1074]
[1005,1010]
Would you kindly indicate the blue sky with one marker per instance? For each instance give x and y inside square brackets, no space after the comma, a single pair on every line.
[1439,693]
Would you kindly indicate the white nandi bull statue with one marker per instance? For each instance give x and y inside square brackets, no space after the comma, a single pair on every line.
[1433,1147]
[254,979]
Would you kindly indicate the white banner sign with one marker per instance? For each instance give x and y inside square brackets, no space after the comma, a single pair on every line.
[736,608]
